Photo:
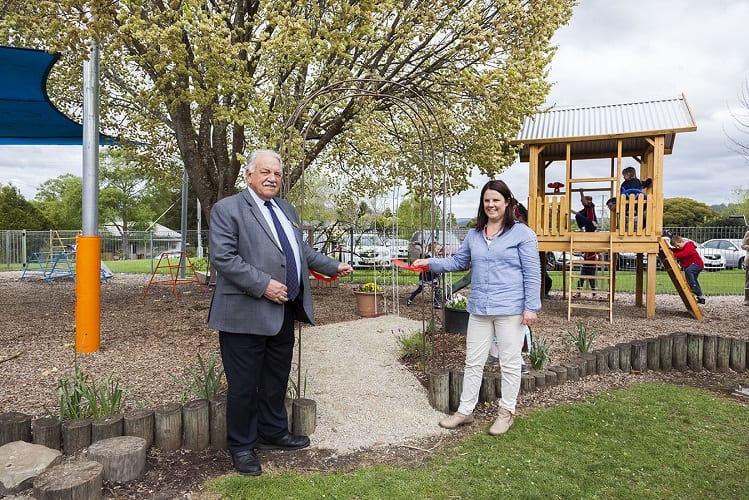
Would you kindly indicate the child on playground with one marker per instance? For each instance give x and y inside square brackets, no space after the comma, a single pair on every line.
[685,252]
[632,182]
[428,278]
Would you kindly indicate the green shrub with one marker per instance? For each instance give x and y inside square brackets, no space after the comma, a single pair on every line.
[204,379]
[413,347]
[539,353]
[81,396]
[582,337]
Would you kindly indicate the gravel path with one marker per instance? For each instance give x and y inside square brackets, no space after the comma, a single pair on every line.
[365,396]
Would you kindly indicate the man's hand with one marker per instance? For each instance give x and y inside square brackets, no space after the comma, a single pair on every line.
[276,292]
[344,268]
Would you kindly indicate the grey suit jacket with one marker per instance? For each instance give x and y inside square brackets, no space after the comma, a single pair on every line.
[246,256]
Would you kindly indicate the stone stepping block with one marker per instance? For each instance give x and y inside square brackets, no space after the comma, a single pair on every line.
[21,462]
[83,479]
[123,457]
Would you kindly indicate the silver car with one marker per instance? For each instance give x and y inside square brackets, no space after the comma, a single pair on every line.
[730,249]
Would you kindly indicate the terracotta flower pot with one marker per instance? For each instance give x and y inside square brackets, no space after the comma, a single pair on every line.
[369,304]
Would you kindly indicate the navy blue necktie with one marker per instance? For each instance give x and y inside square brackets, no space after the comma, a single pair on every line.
[292,275]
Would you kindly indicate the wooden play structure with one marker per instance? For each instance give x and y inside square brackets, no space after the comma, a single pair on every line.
[642,131]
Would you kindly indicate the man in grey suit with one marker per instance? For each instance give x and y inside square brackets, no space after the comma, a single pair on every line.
[262,264]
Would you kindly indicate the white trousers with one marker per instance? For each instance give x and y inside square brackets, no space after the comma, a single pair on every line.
[479,337]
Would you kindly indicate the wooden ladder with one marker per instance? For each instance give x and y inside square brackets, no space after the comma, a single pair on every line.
[677,277]
[602,298]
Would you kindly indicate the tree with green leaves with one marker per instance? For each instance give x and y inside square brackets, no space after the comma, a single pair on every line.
[427,84]
[686,212]
[18,213]
[61,200]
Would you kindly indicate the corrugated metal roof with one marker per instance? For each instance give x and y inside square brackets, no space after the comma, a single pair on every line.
[600,126]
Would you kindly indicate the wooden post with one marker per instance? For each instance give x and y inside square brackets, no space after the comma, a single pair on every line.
[497,385]
[680,351]
[590,363]
[123,457]
[527,383]
[709,353]
[694,351]
[168,426]
[551,378]
[666,353]
[639,356]
[561,373]
[106,427]
[14,426]
[195,424]
[486,391]
[304,418]
[46,432]
[218,422]
[602,362]
[723,354]
[573,371]
[456,388]
[540,379]
[738,355]
[613,355]
[70,480]
[654,354]
[439,390]
[76,435]
[139,423]
[625,357]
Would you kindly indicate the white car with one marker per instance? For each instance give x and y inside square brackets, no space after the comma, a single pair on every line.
[398,248]
[367,250]
[730,249]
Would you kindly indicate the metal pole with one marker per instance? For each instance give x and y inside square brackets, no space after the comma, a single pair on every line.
[200,237]
[183,224]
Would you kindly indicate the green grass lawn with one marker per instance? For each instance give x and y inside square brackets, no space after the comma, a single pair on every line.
[645,441]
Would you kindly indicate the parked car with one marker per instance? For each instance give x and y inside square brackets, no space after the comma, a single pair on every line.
[398,248]
[730,249]
[627,261]
[449,240]
[366,250]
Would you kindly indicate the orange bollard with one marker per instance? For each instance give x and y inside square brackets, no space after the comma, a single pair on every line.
[87,294]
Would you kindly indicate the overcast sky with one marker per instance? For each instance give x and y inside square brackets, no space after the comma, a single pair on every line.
[611,52]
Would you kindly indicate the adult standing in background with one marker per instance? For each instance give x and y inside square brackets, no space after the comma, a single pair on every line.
[505,296]
[262,265]
[745,246]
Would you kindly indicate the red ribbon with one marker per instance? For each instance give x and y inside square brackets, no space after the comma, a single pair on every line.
[322,277]
[410,267]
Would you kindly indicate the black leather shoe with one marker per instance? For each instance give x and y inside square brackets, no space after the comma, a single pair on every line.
[286,442]
[245,462]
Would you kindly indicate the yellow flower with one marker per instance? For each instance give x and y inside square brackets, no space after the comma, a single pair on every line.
[371,288]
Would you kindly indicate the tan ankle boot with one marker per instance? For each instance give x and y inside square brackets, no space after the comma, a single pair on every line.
[502,424]
[456,420]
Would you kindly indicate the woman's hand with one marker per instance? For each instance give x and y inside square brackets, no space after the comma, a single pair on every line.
[421,263]
[529,318]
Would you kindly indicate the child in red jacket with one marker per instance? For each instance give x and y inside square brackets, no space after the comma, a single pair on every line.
[685,252]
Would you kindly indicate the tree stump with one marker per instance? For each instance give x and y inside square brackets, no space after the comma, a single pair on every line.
[14,426]
[540,380]
[106,427]
[551,378]
[654,354]
[695,346]
[218,422]
[497,385]
[123,457]
[456,389]
[602,362]
[486,391]
[561,373]
[196,426]
[666,353]
[613,355]
[139,423]
[738,355]
[70,481]
[723,354]
[439,390]
[304,420]
[46,432]
[639,356]
[679,359]
[168,426]
[527,383]
[709,353]
[76,435]
[590,363]
[573,371]
[625,356]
